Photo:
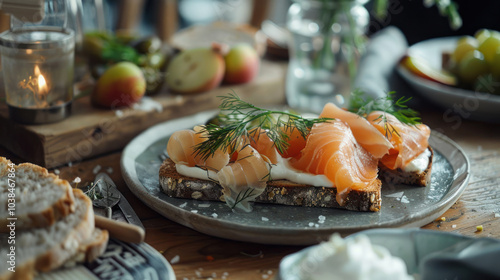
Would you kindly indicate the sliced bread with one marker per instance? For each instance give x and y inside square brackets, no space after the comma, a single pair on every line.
[415,178]
[277,192]
[41,198]
[44,249]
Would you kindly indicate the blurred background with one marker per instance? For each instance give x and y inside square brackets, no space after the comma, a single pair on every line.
[416,21]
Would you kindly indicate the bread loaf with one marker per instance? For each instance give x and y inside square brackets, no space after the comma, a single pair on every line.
[41,198]
[44,249]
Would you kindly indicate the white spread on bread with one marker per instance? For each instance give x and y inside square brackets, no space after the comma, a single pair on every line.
[279,171]
[420,163]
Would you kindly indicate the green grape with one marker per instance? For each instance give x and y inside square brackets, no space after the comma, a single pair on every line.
[472,66]
[495,65]
[464,45]
[482,34]
[489,47]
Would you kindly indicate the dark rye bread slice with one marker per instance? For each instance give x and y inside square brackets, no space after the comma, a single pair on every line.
[399,176]
[277,192]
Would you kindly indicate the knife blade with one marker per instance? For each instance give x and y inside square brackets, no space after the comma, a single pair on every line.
[123,204]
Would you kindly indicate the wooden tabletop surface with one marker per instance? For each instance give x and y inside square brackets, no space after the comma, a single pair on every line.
[199,256]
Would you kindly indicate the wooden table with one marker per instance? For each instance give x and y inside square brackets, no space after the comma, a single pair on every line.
[202,257]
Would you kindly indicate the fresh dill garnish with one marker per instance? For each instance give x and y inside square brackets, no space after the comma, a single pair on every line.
[241,119]
[363,106]
[242,196]
[92,193]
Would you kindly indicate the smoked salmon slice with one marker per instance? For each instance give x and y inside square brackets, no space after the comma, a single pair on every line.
[181,149]
[332,150]
[408,141]
[366,135]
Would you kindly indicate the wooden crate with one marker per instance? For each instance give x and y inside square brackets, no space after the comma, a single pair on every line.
[91,131]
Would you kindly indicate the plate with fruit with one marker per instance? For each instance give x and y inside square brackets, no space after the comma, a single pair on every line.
[461,74]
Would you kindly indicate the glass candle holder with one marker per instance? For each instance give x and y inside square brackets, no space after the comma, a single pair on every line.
[37,65]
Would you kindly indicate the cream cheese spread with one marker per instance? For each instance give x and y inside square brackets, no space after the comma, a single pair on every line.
[280,171]
[353,258]
[420,163]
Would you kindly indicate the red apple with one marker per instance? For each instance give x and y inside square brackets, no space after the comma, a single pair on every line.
[422,68]
[242,64]
[122,84]
[196,70]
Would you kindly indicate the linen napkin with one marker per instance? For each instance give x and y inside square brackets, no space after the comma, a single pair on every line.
[471,259]
[376,74]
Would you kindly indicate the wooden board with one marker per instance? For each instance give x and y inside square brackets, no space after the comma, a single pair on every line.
[91,131]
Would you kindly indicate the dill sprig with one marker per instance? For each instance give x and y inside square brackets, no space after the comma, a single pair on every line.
[241,119]
[242,196]
[92,193]
[387,105]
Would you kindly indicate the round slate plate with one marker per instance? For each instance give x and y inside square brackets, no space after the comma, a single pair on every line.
[402,206]
[477,105]
[120,261]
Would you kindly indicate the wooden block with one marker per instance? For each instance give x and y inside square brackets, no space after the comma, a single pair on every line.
[91,131]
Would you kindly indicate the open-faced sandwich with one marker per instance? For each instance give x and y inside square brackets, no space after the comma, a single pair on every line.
[254,154]
[46,223]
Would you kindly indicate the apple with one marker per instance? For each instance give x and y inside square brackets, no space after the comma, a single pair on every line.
[123,84]
[242,64]
[196,70]
[421,68]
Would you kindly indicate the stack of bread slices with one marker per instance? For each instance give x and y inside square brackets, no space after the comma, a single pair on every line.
[54,223]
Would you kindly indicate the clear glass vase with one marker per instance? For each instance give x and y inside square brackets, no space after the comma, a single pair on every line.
[327,39]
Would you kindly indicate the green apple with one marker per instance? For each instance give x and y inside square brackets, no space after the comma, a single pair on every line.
[123,84]
[195,70]
[242,64]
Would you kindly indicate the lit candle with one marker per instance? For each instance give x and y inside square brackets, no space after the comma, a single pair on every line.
[42,91]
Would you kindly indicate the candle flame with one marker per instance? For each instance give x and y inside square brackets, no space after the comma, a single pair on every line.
[42,84]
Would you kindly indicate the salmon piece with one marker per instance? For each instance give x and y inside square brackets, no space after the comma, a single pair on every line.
[181,149]
[296,142]
[244,178]
[366,135]
[332,150]
[408,142]
[264,145]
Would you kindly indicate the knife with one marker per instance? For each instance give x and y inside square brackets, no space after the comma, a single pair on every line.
[123,204]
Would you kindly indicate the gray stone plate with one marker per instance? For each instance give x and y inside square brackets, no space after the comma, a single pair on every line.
[402,206]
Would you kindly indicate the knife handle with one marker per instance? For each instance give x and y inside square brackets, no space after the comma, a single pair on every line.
[121,231]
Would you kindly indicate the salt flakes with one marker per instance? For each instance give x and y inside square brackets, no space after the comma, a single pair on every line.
[57,171]
[404,199]
[175,259]
[311,224]
[497,215]
[395,195]
[453,226]
[183,205]
[265,276]
[321,219]
[194,211]
[214,215]
[148,104]
[264,219]
[205,205]
[119,113]
[109,170]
